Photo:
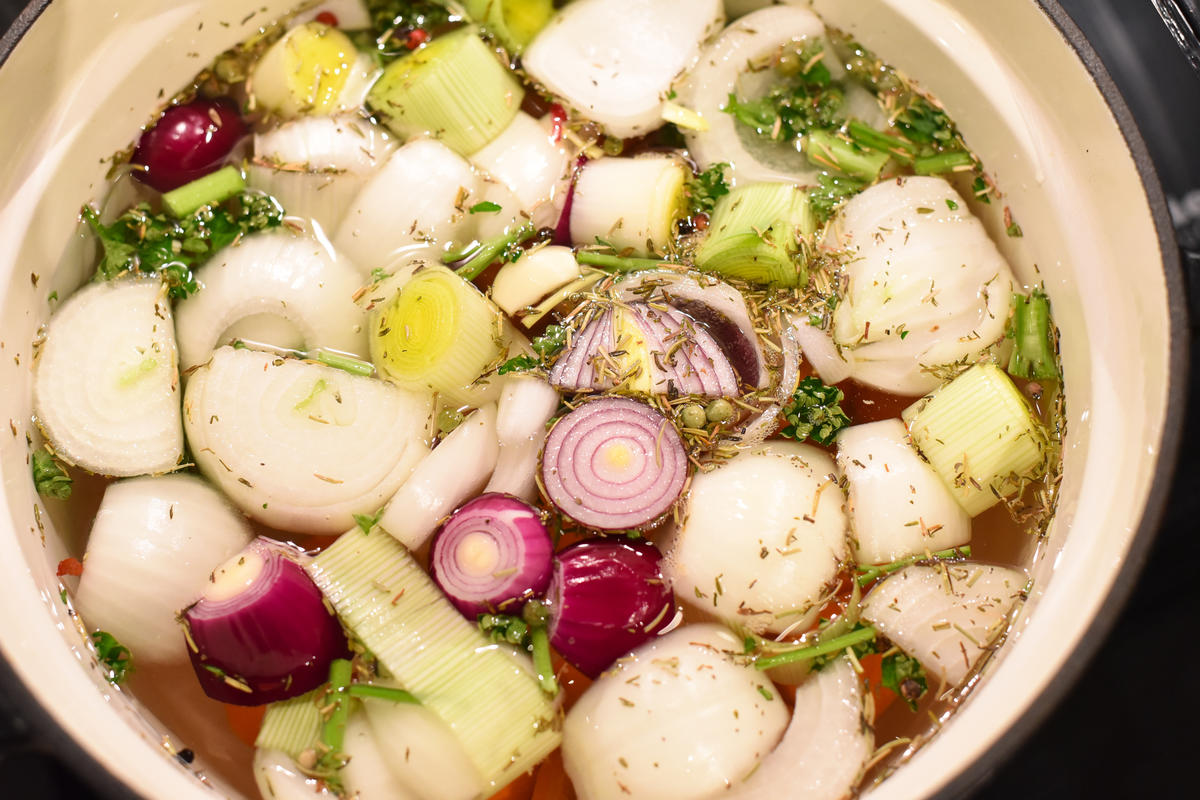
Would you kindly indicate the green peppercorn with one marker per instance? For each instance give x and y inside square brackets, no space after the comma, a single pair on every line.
[692,416]
[720,410]
[448,419]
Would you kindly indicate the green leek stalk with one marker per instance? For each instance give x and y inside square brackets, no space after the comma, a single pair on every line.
[1031,330]
[213,188]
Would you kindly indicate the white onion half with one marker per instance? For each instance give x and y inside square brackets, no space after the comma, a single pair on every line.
[414,201]
[368,774]
[630,203]
[926,285]
[946,616]
[315,166]
[763,537]
[526,159]
[614,60]
[526,404]
[106,386]
[278,777]
[425,755]
[531,277]
[680,718]
[295,279]
[153,545]
[300,446]
[899,506]
[833,365]
[455,471]
[822,753]
[751,39]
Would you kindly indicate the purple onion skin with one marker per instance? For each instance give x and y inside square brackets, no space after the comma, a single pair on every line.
[276,638]
[519,534]
[606,598]
[187,143]
[738,349]
[562,231]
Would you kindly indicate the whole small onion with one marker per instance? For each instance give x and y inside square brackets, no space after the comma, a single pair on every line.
[614,464]
[490,553]
[606,598]
[188,142]
[261,631]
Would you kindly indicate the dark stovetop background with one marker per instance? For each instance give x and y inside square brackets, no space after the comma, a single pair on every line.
[1127,728]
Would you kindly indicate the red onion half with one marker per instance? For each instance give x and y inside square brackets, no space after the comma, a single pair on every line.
[492,553]
[606,598]
[613,464]
[261,631]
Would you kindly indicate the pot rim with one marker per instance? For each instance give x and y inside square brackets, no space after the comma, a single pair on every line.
[51,737]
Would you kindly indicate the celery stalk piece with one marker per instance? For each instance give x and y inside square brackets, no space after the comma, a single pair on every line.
[291,726]
[1033,332]
[755,232]
[487,694]
[830,151]
[454,89]
[437,332]
[513,22]
[215,187]
[980,435]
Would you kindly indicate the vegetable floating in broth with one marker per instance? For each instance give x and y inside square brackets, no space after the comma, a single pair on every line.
[578,352]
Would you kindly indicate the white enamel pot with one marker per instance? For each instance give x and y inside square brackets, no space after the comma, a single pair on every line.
[1032,100]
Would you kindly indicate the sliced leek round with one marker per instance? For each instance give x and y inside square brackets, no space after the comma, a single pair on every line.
[754,235]
[153,545]
[415,202]
[300,446]
[313,69]
[629,203]
[438,333]
[106,385]
[278,275]
[513,22]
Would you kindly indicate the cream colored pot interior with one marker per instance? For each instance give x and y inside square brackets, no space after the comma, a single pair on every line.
[90,73]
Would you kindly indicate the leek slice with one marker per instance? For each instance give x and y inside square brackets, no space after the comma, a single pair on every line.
[981,436]
[486,694]
[291,726]
[106,387]
[313,69]
[513,22]
[629,203]
[301,446]
[438,333]
[278,274]
[754,235]
[454,89]
[414,202]
[153,545]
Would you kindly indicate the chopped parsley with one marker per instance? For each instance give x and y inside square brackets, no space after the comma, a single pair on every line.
[50,477]
[486,207]
[367,522]
[814,412]
[831,190]
[548,345]
[141,242]
[806,100]
[706,187]
[904,675]
[113,656]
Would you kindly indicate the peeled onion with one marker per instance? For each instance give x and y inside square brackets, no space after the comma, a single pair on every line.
[614,464]
[526,158]
[525,406]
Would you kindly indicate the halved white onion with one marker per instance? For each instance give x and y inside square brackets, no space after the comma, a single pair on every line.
[277,274]
[368,773]
[946,616]
[278,777]
[681,717]
[833,365]
[531,277]
[315,166]
[416,199]
[899,506]
[630,203]
[926,285]
[106,386]
[527,160]
[300,446]
[426,756]
[749,40]
[455,471]
[153,545]
[826,744]
[526,404]
[785,501]
[614,60]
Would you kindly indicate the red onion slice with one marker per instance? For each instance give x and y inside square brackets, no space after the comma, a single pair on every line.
[681,367]
[613,464]
[606,598]
[261,631]
[566,373]
[490,553]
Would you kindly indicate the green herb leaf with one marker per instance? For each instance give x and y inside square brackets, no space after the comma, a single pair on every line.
[814,412]
[367,522]
[807,99]
[50,477]
[830,192]
[905,676]
[393,22]
[704,188]
[521,363]
[114,656]
[548,345]
[486,207]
